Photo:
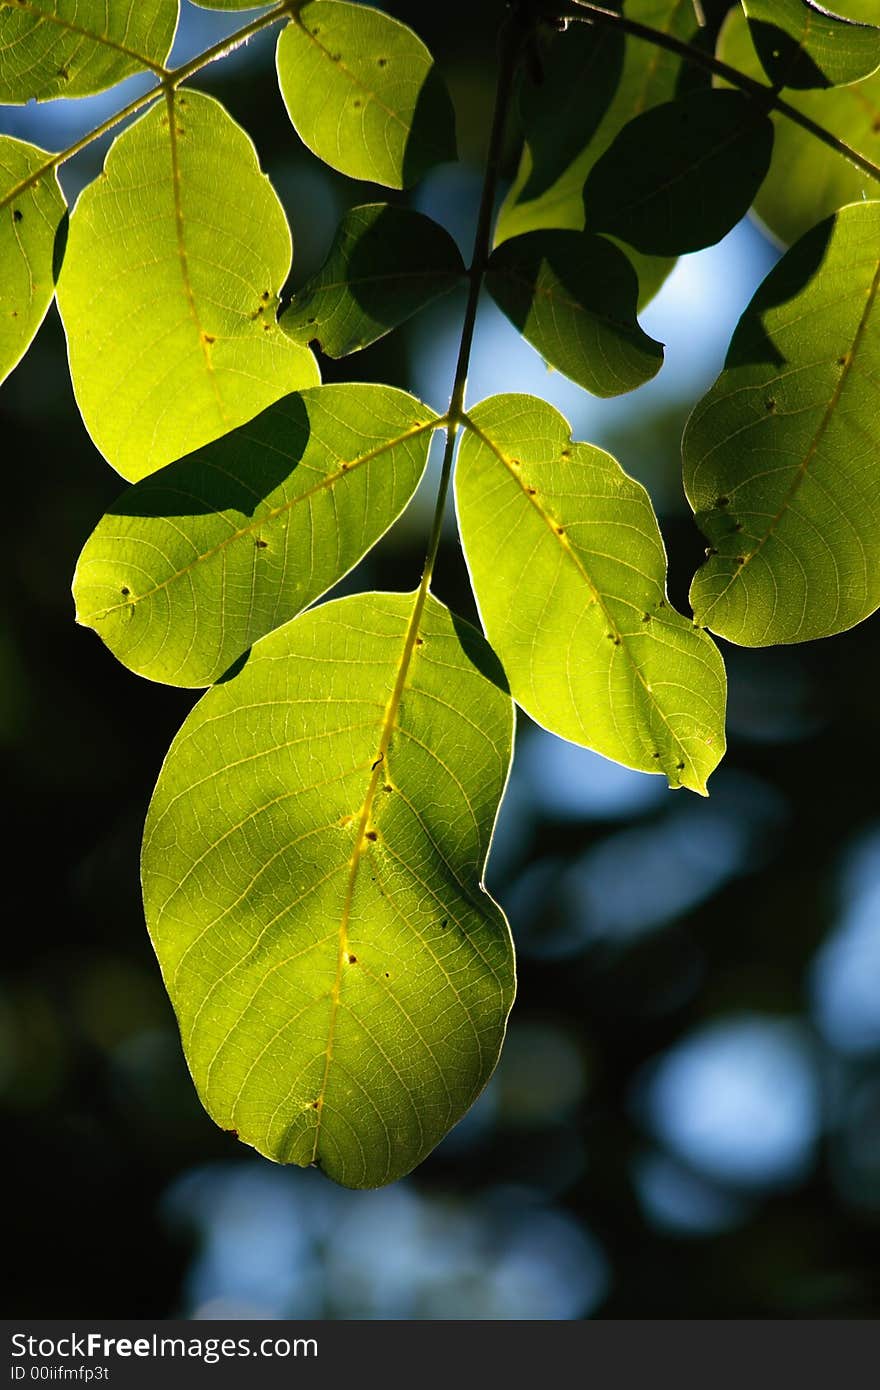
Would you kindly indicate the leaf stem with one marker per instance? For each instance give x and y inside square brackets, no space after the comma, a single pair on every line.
[589,13]
[171,78]
[509,40]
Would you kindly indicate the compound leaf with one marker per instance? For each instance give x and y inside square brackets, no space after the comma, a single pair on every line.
[31,212]
[385,264]
[680,176]
[807,180]
[573,297]
[312,870]
[780,458]
[803,45]
[72,48]
[196,562]
[569,573]
[170,285]
[650,75]
[363,94]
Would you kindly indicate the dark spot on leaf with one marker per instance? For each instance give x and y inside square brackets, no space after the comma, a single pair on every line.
[420,641]
[560,530]
[316,1105]
[532,491]
[311,321]
[842,361]
[679,767]
[233,1132]
[445,922]
[267,328]
[655,755]
[357,103]
[388,787]
[352,960]
[740,560]
[387,976]
[770,405]
[260,543]
[372,835]
[738,526]
[566,454]
[265,296]
[646,617]
[208,338]
[337,57]
[722,501]
[661,603]
[382,62]
[17,215]
[381,758]
[125,591]
[617,641]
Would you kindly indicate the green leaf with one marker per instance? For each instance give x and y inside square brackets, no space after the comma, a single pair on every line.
[573,297]
[232,4]
[780,458]
[312,881]
[803,45]
[680,176]
[31,213]
[650,75]
[385,264]
[196,562]
[170,285]
[562,101]
[807,180]
[569,572]
[72,48]
[363,94]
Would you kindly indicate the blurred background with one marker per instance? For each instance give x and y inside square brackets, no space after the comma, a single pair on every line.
[686,1119]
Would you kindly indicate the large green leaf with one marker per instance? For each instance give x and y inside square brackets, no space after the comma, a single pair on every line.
[780,457]
[573,296]
[569,572]
[196,562]
[29,222]
[312,880]
[680,176]
[803,45]
[363,94]
[650,76]
[71,48]
[385,264]
[170,285]
[808,180]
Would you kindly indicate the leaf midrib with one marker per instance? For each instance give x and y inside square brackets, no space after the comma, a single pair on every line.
[378,772]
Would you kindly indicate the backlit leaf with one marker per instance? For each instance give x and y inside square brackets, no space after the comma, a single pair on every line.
[71,48]
[569,572]
[650,75]
[680,176]
[573,297]
[169,291]
[363,94]
[29,222]
[312,872]
[385,264]
[196,562]
[780,458]
[807,180]
[801,44]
